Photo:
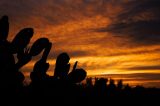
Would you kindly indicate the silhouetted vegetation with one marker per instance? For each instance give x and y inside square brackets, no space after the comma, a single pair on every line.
[65,86]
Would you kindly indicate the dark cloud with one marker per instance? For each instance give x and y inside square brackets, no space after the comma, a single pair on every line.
[19,9]
[52,11]
[134,76]
[155,67]
[139,21]
[75,53]
[157,50]
[141,32]
[144,9]
[78,53]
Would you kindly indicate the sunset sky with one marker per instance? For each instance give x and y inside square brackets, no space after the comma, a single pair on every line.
[111,38]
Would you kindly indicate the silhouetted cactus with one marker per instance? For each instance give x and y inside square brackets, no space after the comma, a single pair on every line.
[62,66]
[11,76]
[4,28]
[22,39]
[38,46]
[39,71]
[41,66]
[62,70]
[77,75]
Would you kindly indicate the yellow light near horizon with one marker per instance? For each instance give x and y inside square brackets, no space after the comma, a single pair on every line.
[99,66]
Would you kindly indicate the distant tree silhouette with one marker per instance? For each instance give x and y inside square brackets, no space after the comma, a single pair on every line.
[112,84]
[89,82]
[120,84]
[100,86]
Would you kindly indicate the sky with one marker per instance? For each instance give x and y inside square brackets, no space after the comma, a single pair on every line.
[117,39]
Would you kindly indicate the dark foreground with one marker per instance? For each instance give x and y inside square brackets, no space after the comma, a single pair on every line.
[60,93]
